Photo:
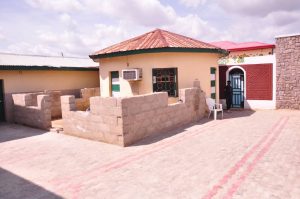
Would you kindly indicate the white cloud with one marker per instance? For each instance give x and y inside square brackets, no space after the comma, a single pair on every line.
[105,35]
[2,37]
[263,29]
[67,20]
[192,3]
[29,48]
[48,37]
[193,26]
[56,5]
[258,7]
[83,26]
[145,13]
[283,18]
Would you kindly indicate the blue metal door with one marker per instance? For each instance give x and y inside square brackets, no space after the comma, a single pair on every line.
[237,82]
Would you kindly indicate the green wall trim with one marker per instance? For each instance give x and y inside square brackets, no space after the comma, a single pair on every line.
[62,68]
[114,74]
[213,95]
[213,70]
[159,50]
[115,87]
[212,83]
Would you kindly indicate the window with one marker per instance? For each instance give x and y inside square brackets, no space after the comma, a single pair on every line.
[165,79]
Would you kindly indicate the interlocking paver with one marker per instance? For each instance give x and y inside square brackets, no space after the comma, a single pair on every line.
[246,155]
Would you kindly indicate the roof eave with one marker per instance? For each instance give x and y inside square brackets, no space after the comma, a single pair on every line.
[158,50]
[35,67]
[251,48]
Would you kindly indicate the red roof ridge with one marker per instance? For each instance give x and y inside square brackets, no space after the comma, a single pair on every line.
[189,38]
[162,37]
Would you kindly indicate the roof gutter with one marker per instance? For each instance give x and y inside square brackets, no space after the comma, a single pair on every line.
[251,48]
[159,50]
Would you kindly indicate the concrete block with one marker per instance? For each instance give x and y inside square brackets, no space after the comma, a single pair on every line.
[117,111]
[108,101]
[67,99]
[116,130]
[95,101]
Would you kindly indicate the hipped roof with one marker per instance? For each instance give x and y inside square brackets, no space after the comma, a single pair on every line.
[157,41]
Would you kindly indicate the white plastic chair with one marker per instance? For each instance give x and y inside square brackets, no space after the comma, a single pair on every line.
[214,107]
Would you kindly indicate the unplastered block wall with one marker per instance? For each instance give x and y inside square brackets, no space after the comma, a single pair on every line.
[55,103]
[123,121]
[27,81]
[83,103]
[102,123]
[288,72]
[150,114]
[32,109]
[31,100]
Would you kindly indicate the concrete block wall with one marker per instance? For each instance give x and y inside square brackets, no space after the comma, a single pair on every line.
[55,103]
[83,103]
[33,110]
[102,123]
[30,99]
[123,121]
[288,72]
[150,114]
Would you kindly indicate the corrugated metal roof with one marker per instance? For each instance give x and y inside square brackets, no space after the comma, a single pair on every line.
[233,46]
[156,39]
[9,59]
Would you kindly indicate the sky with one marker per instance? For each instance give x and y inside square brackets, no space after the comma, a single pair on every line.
[81,27]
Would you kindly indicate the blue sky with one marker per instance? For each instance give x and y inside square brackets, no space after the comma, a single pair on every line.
[80,27]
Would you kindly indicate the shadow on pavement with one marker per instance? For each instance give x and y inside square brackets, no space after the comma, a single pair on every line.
[10,132]
[237,113]
[15,187]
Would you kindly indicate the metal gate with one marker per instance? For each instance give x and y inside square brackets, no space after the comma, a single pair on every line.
[165,79]
[237,82]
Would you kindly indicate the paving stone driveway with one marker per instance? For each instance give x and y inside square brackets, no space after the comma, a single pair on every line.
[252,155]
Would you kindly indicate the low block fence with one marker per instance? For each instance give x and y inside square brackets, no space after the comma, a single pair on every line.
[39,108]
[32,110]
[123,121]
[83,103]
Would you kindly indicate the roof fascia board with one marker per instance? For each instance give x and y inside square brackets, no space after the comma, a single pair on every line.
[63,68]
[158,50]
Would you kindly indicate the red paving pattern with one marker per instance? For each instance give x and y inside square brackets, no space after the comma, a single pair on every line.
[245,155]
[273,133]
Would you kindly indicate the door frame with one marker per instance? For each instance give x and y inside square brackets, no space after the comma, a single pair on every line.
[245,80]
[111,82]
[2,114]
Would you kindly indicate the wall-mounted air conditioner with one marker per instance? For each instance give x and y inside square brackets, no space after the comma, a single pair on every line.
[132,74]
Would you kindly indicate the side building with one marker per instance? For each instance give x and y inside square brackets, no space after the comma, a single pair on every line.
[251,68]
[33,73]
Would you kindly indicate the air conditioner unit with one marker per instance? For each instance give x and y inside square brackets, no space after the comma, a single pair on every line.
[132,74]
